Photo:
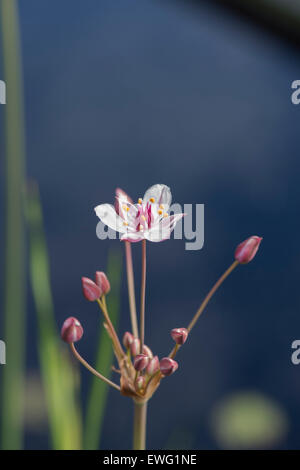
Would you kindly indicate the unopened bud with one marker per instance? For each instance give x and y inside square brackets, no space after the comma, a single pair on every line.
[168,366]
[127,339]
[147,351]
[135,347]
[71,330]
[140,383]
[179,335]
[102,282]
[140,362]
[90,290]
[246,250]
[153,366]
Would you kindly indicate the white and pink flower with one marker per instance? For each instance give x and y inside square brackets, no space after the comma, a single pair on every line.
[147,219]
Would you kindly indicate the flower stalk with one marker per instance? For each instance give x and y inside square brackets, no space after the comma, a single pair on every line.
[139,426]
[131,290]
[91,369]
[211,293]
[205,302]
[143,294]
[111,331]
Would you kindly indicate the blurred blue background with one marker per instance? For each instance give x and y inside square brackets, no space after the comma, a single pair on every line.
[133,93]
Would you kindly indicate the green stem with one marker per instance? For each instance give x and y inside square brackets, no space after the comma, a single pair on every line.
[14,294]
[139,426]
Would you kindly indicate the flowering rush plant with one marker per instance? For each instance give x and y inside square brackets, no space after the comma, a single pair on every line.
[141,372]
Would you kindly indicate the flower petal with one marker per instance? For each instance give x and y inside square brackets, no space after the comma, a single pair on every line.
[157,235]
[123,196]
[132,237]
[108,215]
[162,231]
[127,211]
[121,199]
[161,195]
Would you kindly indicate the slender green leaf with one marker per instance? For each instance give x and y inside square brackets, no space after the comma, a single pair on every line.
[14,294]
[58,373]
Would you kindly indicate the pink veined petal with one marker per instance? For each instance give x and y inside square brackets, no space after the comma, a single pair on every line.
[130,215]
[122,195]
[119,207]
[132,237]
[168,223]
[162,230]
[161,195]
[108,215]
[121,199]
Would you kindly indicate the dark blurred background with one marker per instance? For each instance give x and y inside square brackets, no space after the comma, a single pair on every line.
[195,96]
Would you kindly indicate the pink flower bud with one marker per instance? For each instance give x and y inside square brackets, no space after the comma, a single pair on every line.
[246,250]
[179,335]
[140,362]
[102,282]
[71,330]
[127,339]
[90,290]
[168,366]
[121,198]
[153,366]
[135,347]
[140,382]
[147,351]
